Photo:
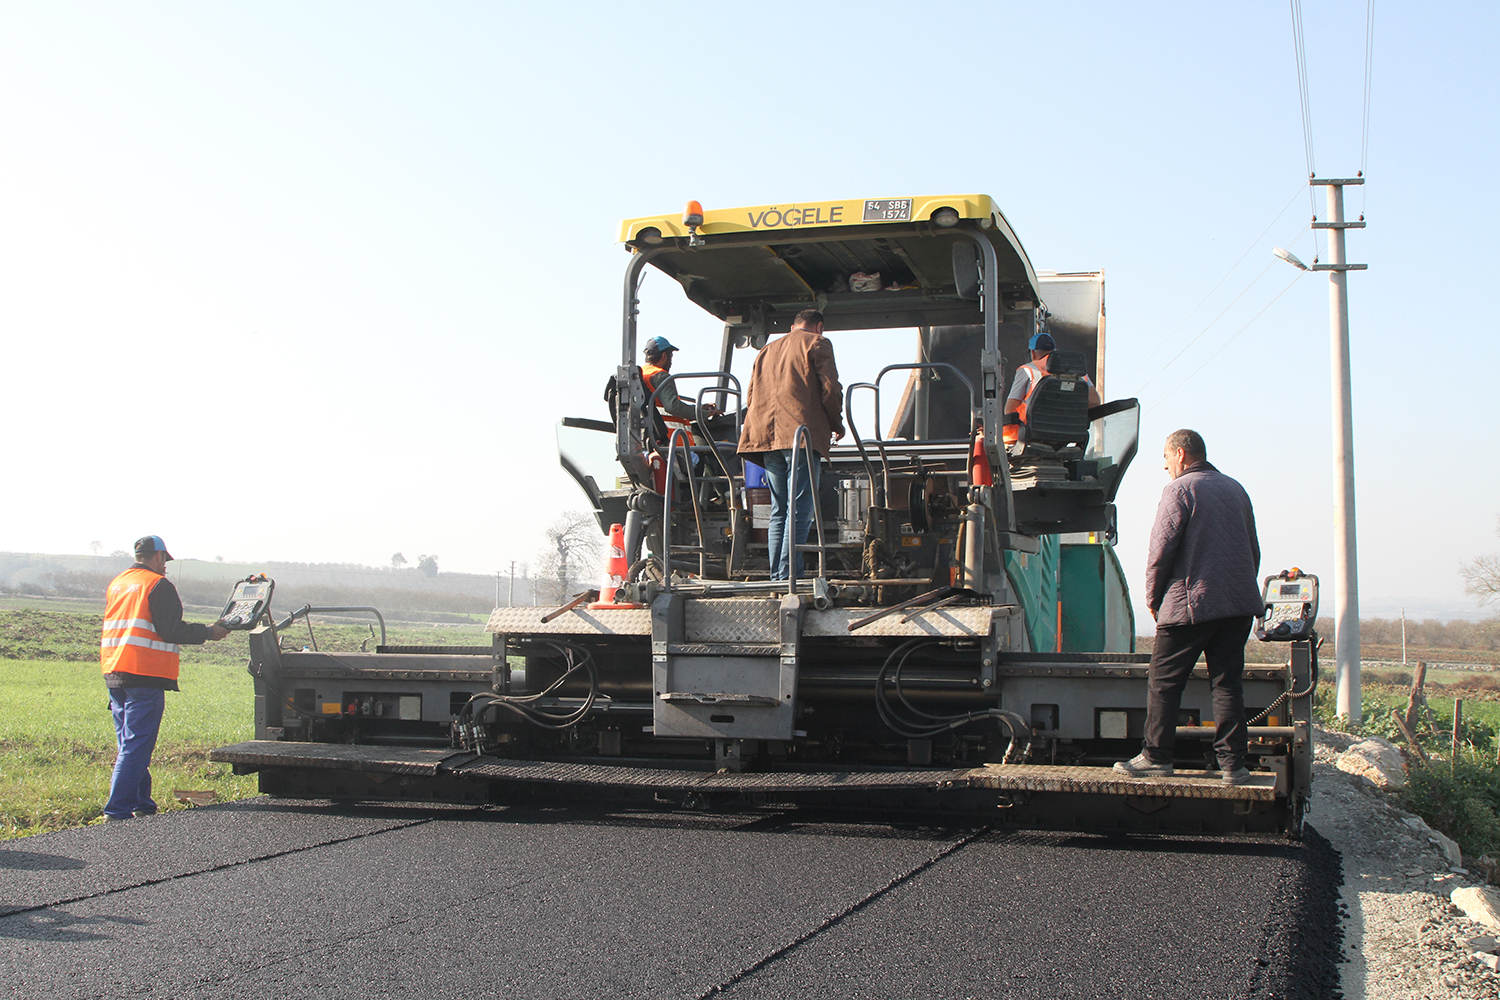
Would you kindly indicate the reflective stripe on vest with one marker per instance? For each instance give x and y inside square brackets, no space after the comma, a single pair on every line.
[648,375]
[129,642]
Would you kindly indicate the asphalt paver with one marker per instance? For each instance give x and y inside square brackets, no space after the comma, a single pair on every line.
[290,900]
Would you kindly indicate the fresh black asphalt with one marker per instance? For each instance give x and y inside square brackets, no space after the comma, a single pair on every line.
[278,899]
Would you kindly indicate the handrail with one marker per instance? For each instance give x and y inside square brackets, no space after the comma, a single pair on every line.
[708,435]
[308,609]
[674,376]
[801,443]
[666,511]
[923,365]
[885,464]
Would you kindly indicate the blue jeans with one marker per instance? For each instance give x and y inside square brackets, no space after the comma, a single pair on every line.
[137,712]
[778,465]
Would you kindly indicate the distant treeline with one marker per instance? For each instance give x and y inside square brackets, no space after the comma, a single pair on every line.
[392,601]
[1380,639]
[1429,632]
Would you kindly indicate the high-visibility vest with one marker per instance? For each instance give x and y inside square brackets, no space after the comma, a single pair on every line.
[649,372]
[129,643]
[1011,433]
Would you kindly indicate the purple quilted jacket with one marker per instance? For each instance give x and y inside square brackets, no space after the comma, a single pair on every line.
[1204,556]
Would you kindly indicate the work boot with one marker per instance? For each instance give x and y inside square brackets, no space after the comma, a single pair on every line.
[1141,766]
[1237,774]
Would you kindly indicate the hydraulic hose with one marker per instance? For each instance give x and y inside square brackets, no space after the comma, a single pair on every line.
[918,724]
[528,707]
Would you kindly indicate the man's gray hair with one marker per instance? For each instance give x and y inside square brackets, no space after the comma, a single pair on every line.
[1191,442]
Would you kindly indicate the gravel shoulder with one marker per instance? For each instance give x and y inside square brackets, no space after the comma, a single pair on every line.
[1403,938]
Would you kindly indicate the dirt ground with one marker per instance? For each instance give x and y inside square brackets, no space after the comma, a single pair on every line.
[1403,938]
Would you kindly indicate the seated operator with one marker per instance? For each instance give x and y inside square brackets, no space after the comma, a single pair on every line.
[676,411]
[1028,377]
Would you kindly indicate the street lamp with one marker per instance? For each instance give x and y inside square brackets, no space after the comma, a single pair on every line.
[1345,557]
[1289,257]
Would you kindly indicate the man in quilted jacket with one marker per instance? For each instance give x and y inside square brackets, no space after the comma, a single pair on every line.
[1202,590]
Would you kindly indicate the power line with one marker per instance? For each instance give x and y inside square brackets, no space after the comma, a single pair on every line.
[1253,244]
[1222,312]
[1226,343]
[1364,142]
[1299,45]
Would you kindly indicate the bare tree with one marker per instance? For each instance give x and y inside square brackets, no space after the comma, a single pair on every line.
[1482,575]
[570,562]
[96,546]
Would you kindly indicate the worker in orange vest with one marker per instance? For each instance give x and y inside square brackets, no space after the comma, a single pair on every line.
[1028,377]
[676,411]
[143,629]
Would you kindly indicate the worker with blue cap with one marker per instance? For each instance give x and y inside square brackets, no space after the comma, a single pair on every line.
[675,410]
[138,651]
[1028,377]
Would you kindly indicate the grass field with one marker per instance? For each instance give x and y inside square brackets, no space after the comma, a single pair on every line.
[57,742]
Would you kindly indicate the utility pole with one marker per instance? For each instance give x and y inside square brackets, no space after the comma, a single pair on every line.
[510,601]
[1345,558]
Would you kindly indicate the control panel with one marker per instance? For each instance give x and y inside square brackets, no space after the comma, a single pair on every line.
[249,603]
[1291,600]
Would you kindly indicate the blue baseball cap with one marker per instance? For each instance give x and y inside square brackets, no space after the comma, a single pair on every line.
[1042,342]
[149,546]
[659,344]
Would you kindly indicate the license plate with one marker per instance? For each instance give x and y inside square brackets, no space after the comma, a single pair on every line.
[888,210]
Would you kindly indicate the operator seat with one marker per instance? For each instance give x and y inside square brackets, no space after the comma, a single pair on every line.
[1057,422]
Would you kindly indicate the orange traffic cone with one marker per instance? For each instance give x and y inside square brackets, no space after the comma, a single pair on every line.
[615,568]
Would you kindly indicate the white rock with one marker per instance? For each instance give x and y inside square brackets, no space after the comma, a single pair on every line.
[1448,846]
[1417,823]
[1377,761]
[1491,961]
[1479,903]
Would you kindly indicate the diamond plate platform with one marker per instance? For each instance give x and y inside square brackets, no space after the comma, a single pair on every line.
[732,619]
[972,623]
[745,620]
[579,621]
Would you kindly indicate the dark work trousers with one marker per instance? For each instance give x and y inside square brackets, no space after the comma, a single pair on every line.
[1222,643]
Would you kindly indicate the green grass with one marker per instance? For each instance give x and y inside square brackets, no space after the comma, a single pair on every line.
[57,741]
[1458,794]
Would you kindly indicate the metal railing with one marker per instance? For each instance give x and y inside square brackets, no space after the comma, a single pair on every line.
[879,440]
[666,519]
[308,609]
[802,446]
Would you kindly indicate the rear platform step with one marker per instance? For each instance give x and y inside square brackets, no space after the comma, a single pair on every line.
[259,754]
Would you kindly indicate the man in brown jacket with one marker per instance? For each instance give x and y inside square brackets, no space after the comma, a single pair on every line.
[795,383]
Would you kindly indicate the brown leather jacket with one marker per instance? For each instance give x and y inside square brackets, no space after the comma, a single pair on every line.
[794,382]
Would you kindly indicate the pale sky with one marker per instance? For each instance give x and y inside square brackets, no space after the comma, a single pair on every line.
[314,282]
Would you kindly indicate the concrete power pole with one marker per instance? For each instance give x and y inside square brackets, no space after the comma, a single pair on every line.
[510,601]
[1345,557]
